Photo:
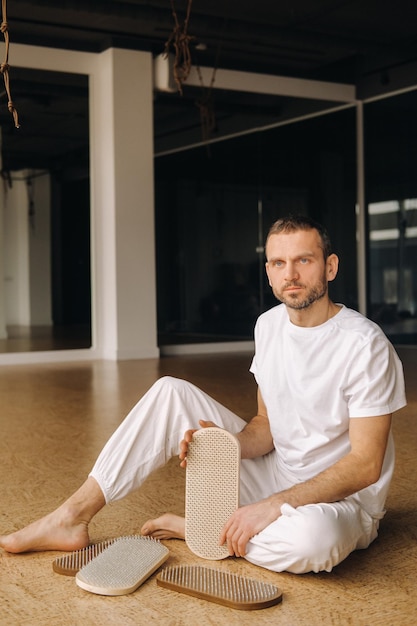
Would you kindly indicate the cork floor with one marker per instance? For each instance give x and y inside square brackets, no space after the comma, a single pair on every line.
[55,418]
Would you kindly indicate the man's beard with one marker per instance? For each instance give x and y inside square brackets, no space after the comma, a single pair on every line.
[292,302]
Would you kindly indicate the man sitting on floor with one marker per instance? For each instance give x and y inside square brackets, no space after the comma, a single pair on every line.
[318,457]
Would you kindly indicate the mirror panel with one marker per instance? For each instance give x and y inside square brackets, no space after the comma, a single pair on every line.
[46,289]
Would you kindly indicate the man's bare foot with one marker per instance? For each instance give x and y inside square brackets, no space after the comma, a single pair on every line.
[48,533]
[168,526]
[66,528]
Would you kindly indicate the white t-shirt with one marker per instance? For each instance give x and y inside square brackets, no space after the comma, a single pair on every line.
[313,380]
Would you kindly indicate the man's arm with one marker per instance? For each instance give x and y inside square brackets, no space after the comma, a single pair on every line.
[360,468]
[255,439]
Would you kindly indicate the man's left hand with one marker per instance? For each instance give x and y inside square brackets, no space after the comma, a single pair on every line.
[246,522]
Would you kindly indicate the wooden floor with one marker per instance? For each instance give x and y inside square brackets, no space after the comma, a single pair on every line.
[54,419]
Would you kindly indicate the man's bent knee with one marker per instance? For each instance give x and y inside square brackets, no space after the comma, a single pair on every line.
[312,538]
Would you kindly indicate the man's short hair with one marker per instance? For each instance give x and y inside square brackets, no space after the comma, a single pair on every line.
[293,223]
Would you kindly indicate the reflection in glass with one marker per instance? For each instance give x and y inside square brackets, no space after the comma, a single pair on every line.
[213,211]
[45,293]
[393,247]
[391,191]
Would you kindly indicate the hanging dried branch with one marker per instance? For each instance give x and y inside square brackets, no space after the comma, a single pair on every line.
[206,107]
[205,102]
[4,67]
[180,40]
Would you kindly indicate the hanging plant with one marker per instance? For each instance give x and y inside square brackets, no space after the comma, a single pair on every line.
[4,67]
[180,41]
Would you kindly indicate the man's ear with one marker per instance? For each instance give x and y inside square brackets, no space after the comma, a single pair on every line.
[332,266]
[267,272]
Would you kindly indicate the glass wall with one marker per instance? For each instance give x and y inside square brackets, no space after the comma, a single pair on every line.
[391,188]
[214,206]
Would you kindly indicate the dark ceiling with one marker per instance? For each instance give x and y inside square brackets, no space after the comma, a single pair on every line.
[360,42]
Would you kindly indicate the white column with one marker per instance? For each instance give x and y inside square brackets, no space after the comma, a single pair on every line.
[121,135]
[26,251]
[16,254]
[39,240]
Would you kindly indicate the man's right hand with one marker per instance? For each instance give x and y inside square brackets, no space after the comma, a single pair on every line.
[188,435]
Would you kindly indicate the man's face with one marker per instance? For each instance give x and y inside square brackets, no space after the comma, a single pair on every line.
[296,268]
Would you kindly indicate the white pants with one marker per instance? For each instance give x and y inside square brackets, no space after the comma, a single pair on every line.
[314,537]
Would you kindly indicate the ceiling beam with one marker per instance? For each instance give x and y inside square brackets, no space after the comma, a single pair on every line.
[251,82]
[275,85]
